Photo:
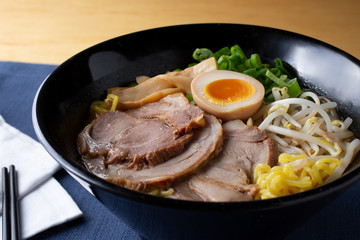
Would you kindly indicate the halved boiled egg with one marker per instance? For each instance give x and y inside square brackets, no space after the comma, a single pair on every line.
[227,95]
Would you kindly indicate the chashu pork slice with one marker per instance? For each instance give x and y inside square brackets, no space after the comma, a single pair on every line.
[228,176]
[246,146]
[142,137]
[205,144]
[118,137]
[175,111]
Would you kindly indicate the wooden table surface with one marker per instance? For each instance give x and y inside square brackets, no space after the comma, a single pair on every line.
[46,31]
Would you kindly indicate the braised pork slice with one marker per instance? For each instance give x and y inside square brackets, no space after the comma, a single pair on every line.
[246,147]
[205,144]
[175,111]
[123,138]
[227,177]
[213,191]
[142,137]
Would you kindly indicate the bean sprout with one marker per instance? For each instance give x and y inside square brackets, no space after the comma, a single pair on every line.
[307,128]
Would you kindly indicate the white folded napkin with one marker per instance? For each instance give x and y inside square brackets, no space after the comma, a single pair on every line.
[43,201]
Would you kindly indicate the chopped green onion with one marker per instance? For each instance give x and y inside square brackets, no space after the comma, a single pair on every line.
[234,59]
[276,72]
[294,89]
[201,54]
[251,72]
[266,65]
[132,84]
[223,62]
[190,98]
[255,60]
[275,79]
[234,62]
[248,63]
[221,52]
[237,51]
[261,72]
[279,64]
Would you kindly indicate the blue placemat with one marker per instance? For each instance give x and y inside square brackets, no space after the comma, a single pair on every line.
[18,85]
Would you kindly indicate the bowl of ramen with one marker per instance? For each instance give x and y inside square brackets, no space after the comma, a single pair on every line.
[206,131]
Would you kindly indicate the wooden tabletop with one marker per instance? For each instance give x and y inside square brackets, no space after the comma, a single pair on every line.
[43,31]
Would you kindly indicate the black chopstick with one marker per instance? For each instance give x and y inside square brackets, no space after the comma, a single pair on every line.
[11,220]
[14,201]
[6,234]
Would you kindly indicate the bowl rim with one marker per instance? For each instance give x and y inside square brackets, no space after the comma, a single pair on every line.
[338,185]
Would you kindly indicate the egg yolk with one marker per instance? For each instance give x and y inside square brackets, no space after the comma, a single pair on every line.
[228,91]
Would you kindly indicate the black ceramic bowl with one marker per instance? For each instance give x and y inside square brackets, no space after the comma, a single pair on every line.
[62,102]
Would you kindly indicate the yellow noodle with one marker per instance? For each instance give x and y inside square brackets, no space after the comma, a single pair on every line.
[115,100]
[161,193]
[284,179]
[99,107]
